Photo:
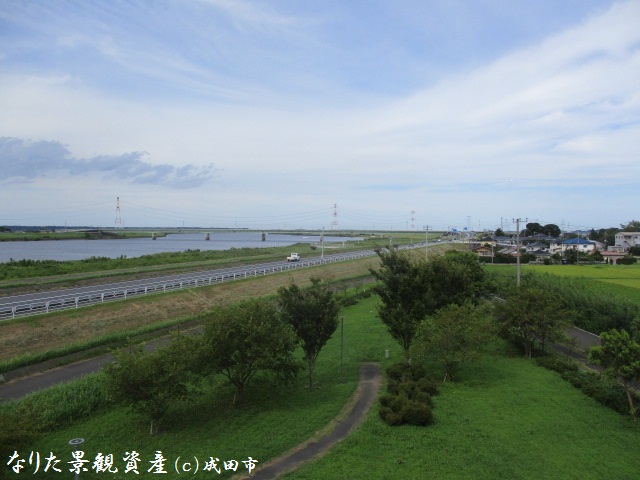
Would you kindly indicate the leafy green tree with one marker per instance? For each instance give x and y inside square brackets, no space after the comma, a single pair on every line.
[402,286]
[148,382]
[456,277]
[246,338]
[552,230]
[455,334]
[620,355]
[533,228]
[531,315]
[631,226]
[313,314]
[411,289]
[499,233]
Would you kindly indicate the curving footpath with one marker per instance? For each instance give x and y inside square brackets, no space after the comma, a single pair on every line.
[351,416]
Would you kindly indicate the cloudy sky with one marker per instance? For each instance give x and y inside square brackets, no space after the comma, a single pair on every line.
[266,114]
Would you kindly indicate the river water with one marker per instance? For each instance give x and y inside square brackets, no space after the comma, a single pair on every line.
[136,247]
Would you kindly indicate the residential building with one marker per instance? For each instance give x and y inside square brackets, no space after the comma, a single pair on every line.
[626,240]
[579,244]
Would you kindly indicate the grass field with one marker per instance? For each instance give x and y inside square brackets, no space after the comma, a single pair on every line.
[506,418]
[271,422]
[509,419]
[628,275]
[91,325]
[613,280]
[27,338]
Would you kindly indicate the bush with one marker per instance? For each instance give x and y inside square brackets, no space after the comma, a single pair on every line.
[390,417]
[428,385]
[406,371]
[409,400]
[552,362]
[423,397]
[627,260]
[606,392]
[416,413]
[19,429]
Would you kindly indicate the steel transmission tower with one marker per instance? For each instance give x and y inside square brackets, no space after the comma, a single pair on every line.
[334,223]
[118,222]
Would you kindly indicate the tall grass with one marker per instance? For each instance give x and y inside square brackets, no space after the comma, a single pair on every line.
[64,403]
[599,306]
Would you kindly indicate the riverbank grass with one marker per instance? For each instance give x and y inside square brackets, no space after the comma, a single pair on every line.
[271,421]
[507,418]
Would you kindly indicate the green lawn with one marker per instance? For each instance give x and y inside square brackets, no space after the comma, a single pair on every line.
[507,418]
[271,422]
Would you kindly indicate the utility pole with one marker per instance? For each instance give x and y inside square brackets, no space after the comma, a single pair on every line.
[341,346]
[518,220]
[426,242]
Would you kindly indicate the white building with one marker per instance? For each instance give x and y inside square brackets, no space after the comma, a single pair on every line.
[626,240]
[579,244]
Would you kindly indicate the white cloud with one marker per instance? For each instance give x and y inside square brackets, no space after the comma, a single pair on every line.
[556,115]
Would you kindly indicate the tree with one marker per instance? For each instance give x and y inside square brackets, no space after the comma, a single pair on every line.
[401,288]
[410,290]
[498,233]
[456,277]
[313,315]
[531,315]
[246,338]
[148,382]
[620,355]
[631,226]
[552,230]
[532,229]
[455,334]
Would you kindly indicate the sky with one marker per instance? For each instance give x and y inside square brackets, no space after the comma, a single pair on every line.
[360,114]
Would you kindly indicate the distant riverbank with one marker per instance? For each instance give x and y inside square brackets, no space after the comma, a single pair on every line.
[82,248]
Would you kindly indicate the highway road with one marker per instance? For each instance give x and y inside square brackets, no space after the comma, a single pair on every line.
[39,303]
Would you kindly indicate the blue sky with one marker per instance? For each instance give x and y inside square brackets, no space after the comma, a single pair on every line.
[266,114]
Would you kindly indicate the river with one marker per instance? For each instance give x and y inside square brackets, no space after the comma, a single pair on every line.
[136,247]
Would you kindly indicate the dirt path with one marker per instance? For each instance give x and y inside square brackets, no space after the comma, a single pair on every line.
[352,415]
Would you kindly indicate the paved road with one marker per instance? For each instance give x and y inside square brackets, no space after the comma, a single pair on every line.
[44,302]
[39,381]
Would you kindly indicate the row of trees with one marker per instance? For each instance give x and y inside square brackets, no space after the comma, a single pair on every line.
[446,308]
[239,342]
[436,306]
[619,353]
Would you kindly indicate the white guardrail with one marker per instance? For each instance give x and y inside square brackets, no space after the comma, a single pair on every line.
[104,293]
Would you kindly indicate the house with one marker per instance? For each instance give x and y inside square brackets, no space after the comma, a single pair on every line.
[509,251]
[612,256]
[536,247]
[579,244]
[626,240]
[483,251]
[505,240]
[541,256]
